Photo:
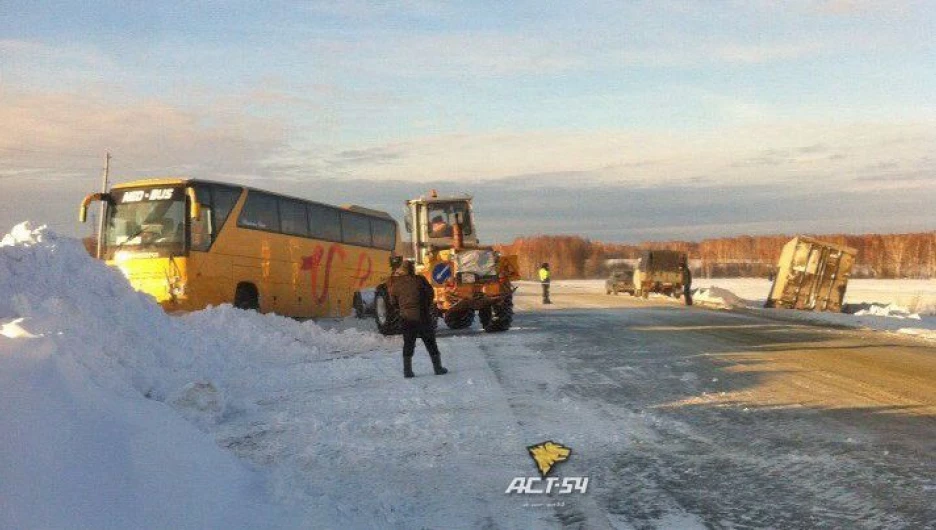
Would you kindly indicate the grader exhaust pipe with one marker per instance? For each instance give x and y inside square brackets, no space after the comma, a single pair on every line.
[458,236]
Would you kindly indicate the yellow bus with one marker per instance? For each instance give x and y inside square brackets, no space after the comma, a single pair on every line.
[193,243]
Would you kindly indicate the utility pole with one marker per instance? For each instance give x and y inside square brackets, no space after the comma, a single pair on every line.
[101,220]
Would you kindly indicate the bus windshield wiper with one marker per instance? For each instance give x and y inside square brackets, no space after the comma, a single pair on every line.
[131,238]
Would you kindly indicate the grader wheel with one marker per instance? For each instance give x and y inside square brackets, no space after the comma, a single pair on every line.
[498,317]
[459,320]
[386,314]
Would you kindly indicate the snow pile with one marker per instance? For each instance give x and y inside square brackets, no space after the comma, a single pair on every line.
[51,287]
[23,234]
[116,415]
[889,311]
[83,446]
[892,320]
[719,297]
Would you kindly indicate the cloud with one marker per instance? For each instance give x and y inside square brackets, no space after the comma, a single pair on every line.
[507,208]
[49,131]
[813,155]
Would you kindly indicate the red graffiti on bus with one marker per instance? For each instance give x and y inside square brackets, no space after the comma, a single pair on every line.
[313,262]
[363,275]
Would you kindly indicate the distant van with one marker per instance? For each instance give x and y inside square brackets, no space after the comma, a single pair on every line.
[660,271]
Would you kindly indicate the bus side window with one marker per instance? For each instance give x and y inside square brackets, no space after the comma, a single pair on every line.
[224,199]
[383,234]
[293,219]
[324,222]
[355,229]
[261,211]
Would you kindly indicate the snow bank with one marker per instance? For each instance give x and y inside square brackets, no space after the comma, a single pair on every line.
[916,296]
[881,310]
[86,365]
[718,297]
[116,415]
[53,288]
[878,317]
[74,454]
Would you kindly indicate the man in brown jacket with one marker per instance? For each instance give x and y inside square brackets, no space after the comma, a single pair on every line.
[413,295]
[686,283]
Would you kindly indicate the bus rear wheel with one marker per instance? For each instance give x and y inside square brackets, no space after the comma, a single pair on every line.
[358,304]
[246,297]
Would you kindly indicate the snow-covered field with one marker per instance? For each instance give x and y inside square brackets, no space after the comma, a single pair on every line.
[916,296]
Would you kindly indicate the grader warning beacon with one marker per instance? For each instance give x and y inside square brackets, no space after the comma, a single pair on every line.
[467,278]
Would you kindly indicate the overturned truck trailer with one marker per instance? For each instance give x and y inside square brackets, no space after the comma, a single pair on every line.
[811,275]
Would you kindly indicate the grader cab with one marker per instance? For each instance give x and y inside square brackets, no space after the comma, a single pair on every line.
[468,279]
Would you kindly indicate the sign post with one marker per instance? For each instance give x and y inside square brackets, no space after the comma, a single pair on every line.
[101,220]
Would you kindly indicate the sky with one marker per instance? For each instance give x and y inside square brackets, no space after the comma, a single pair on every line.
[620,121]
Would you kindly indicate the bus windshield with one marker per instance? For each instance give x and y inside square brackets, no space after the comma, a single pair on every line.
[151,220]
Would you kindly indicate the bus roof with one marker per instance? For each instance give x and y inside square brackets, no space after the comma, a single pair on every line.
[367,211]
[179,181]
[165,181]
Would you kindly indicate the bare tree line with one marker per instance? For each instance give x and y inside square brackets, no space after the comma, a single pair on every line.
[879,255]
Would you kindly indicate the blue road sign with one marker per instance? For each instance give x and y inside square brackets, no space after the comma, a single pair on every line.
[441,272]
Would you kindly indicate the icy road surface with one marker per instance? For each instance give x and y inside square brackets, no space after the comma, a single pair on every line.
[680,417]
[731,419]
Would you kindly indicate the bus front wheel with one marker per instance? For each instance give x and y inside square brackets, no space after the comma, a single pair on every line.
[246,297]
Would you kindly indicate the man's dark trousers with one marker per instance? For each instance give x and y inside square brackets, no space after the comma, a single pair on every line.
[687,284]
[416,330]
[546,293]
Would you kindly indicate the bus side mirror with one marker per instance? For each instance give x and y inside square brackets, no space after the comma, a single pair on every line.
[83,210]
[194,206]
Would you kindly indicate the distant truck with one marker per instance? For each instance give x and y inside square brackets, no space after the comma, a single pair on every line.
[811,275]
[660,271]
[620,281]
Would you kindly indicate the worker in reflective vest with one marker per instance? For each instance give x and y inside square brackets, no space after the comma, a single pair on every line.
[544,280]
